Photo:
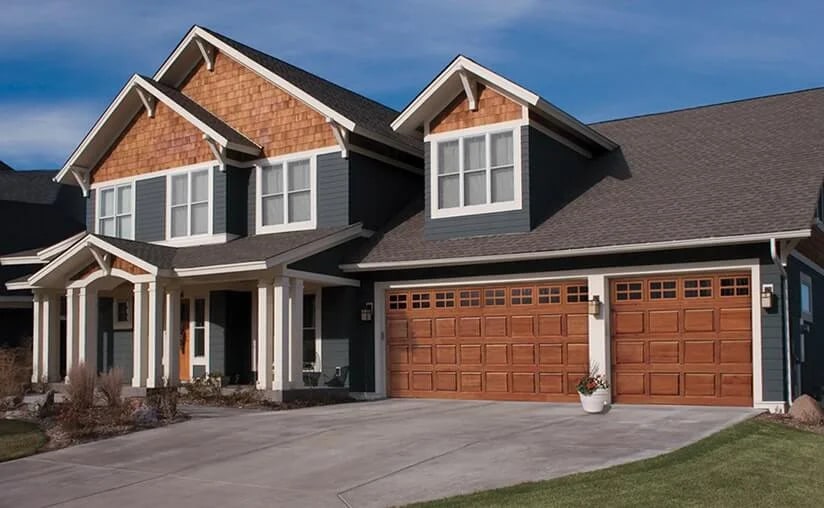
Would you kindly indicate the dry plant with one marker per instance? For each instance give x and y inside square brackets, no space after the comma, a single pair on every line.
[80,387]
[15,370]
[111,386]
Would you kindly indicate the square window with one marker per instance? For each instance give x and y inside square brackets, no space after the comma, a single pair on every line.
[285,194]
[189,203]
[114,211]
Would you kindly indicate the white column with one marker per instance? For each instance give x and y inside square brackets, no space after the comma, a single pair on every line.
[50,338]
[264,335]
[281,334]
[154,367]
[599,346]
[37,338]
[140,344]
[296,334]
[72,304]
[87,328]
[171,339]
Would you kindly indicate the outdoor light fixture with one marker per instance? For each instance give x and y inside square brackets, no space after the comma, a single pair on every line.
[595,306]
[366,312]
[767,296]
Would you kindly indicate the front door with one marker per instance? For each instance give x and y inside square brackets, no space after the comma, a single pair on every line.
[184,340]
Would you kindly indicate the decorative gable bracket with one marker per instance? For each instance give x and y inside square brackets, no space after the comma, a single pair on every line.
[81,174]
[149,102]
[208,52]
[470,87]
[341,136]
[103,259]
[217,150]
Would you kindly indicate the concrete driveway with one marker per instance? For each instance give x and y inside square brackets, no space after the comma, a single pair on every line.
[365,454]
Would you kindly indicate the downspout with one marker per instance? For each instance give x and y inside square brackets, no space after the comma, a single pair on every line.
[785,297]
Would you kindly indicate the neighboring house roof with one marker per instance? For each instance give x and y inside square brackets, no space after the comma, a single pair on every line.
[5,167]
[751,167]
[35,187]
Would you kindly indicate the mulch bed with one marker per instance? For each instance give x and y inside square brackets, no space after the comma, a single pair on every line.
[791,422]
[251,400]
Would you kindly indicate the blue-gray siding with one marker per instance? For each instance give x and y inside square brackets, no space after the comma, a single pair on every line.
[90,211]
[217,332]
[809,373]
[150,209]
[378,191]
[237,195]
[219,203]
[333,190]
[772,338]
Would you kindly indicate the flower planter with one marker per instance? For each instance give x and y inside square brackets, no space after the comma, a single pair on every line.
[595,403]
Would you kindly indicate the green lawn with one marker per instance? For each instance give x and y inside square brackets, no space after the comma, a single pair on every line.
[755,463]
[18,439]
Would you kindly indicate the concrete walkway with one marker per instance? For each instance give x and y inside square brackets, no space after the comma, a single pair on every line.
[364,454]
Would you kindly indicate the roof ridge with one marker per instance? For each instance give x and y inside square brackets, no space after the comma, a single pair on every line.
[300,69]
[707,106]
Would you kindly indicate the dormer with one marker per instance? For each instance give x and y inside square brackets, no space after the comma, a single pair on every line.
[494,151]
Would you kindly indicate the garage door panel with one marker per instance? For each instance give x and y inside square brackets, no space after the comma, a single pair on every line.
[505,342]
[682,339]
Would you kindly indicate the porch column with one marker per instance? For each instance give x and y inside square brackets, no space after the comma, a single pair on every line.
[140,336]
[264,335]
[37,338]
[87,328]
[281,335]
[296,334]
[72,304]
[599,347]
[171,340]
[50,336]
[154,368]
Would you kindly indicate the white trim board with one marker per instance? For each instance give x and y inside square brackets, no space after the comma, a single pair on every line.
[586,251]
[31,259]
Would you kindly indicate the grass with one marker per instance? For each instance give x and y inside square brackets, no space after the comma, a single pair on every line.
[19,439]
[755,463]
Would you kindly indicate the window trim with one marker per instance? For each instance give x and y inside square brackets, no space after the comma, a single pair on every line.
[260,229]
[805,280]
[99,203]
[185,239]
[489,207]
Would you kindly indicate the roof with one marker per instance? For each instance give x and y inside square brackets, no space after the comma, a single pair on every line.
[5,167]
[35,187]
[368,114]
[742,168]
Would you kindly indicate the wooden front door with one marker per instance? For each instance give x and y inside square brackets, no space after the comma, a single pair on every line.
[525,341]
[682,339]
[184,340]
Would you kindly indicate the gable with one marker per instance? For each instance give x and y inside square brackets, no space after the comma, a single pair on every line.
[492,108]
[269,116]
[151,144]
[117,264]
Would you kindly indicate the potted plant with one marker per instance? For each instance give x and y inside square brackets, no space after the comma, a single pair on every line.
[593,390]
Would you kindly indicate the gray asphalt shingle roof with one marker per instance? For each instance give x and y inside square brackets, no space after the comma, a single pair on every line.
[745,167]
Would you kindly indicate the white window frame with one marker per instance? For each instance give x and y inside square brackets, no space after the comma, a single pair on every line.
[805,280]
[312,157]
[99,205]
[183,239]
[489,206]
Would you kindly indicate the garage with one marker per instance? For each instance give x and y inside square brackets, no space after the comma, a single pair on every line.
[684,339]
[521,341]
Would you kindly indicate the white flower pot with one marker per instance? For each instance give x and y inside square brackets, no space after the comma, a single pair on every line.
[595,403]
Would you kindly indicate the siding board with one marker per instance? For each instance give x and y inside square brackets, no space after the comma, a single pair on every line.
[150,209]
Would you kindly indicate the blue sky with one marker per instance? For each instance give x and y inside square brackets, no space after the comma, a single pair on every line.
[63,61]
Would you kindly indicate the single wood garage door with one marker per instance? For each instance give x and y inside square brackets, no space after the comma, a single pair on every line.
[682,339]
[501,342]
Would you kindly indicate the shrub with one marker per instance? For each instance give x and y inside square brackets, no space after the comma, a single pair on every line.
[111,386]
[15,370]
[204,388]
[80,389]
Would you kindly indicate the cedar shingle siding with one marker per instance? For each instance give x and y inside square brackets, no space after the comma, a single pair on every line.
[492,108]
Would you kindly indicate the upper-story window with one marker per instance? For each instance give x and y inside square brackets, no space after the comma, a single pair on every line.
[189,203]
[286,195]
[478,172]
[115,216]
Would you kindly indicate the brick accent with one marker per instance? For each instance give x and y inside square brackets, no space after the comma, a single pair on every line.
[152,144]
[813,247]
[117,262]
[492,108]
[263,112]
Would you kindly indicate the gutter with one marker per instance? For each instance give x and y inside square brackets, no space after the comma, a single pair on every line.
[780,260]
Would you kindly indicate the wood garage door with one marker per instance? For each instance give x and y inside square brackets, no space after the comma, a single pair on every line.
[684,339]
[501,342]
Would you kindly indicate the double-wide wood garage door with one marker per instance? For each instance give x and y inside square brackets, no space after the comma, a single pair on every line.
[526,341]
[682,339]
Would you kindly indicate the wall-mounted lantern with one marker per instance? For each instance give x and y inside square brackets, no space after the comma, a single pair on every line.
[366,312]
[594,306]
[767,296]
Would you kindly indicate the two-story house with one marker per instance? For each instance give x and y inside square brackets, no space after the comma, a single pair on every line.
[249,218]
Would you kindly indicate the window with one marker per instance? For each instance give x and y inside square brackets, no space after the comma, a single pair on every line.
[698,288]
[662,290]
[577,294]
[735,286]
[628,291]
[189,203]
[420,300]
[114,211]
[123,314]
[476,173]
[493,297]
[310,352]
[470,298]
[549,295]
[445,299]
[521,296]
[286,200]
[199,327]
[397,302]
[806,298]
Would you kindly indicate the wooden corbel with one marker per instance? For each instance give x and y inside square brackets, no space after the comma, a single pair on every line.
[149,102]
[208,52]
[341,136]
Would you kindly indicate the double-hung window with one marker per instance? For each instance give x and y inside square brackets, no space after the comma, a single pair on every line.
[285,195]
[189,203]
[115,211]
[476,173]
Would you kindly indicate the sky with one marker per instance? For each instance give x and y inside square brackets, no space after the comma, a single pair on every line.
[62,62]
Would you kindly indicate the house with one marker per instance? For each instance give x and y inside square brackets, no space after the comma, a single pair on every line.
[248,218]
[52,212]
